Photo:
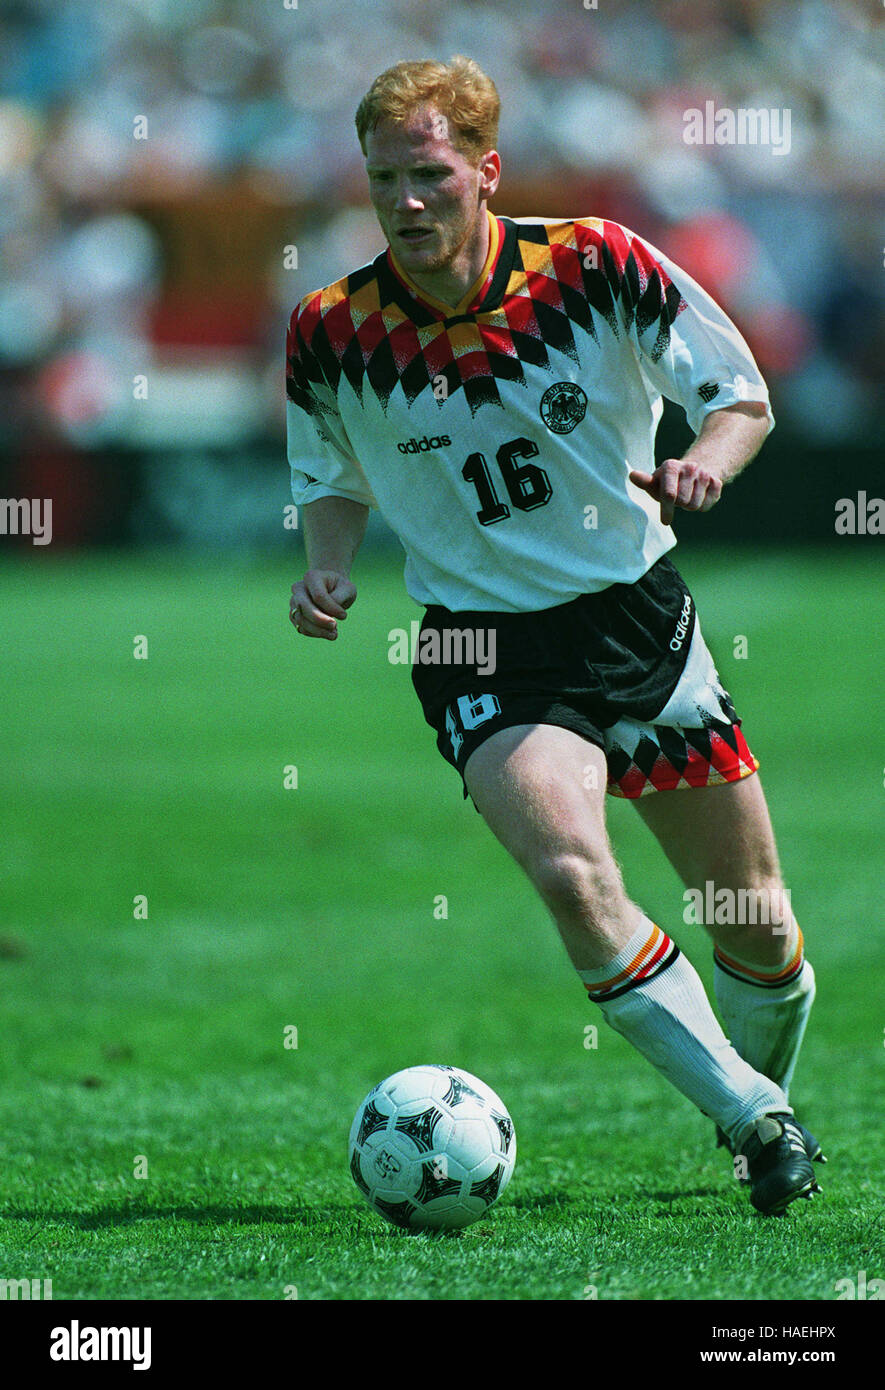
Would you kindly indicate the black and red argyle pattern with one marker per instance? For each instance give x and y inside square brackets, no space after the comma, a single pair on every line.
[369,327]
[664,759]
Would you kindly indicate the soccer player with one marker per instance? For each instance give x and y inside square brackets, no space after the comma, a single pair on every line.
[493,386]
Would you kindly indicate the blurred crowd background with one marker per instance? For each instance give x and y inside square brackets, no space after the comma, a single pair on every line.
[160,159]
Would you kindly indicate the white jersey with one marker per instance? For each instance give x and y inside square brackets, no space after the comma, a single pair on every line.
[496,437]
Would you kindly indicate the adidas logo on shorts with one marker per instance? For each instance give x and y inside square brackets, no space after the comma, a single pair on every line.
[679,635]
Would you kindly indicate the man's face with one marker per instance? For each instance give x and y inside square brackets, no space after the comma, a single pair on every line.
[426,194]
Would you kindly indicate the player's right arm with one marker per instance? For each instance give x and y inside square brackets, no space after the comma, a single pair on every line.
[329,487]
[333,531]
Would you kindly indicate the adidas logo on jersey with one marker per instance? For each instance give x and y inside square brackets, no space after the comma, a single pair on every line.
[421,446]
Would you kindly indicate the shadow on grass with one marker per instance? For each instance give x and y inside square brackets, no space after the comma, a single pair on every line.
[281,1214]
[338,1217]
[680,1193]
[612,1201]
[539,1200]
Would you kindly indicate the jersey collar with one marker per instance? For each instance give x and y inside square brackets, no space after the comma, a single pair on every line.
[473,298]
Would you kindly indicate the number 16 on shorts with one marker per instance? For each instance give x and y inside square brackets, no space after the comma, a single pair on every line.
[468,712]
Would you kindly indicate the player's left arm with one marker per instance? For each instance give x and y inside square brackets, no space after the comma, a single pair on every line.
[691,352]
[728,440]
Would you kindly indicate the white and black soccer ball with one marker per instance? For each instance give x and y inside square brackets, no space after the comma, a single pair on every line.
[432,1148]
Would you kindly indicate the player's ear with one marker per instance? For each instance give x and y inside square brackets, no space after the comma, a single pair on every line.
[489,173]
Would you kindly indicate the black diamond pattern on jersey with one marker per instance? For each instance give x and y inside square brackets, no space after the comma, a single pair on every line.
[353,366]
[413,379]
[481,390]
[556,331]
[301,374]
[653,305]
[398,358]
[537,232]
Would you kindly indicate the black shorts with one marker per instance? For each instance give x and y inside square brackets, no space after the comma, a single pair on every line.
[626,668]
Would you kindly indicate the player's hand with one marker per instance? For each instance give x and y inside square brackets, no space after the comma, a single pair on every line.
[319,602]
[680,483]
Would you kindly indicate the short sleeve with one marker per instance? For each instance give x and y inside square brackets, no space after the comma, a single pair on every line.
[689,349]
[321,459]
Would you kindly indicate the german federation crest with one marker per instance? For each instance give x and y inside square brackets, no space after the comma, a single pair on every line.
[563,406]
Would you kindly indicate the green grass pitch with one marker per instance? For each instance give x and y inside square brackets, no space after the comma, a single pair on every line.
[159,1140]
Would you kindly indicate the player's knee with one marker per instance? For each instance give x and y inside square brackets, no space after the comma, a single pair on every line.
[759,918]
[769,902]
[576,884]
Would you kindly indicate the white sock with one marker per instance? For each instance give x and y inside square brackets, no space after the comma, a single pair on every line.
[654,997]
[766,1009]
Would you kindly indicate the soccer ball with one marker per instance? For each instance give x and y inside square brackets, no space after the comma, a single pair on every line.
[432,1148]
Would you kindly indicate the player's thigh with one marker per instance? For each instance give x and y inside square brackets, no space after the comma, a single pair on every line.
[722,832]
[541,790]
